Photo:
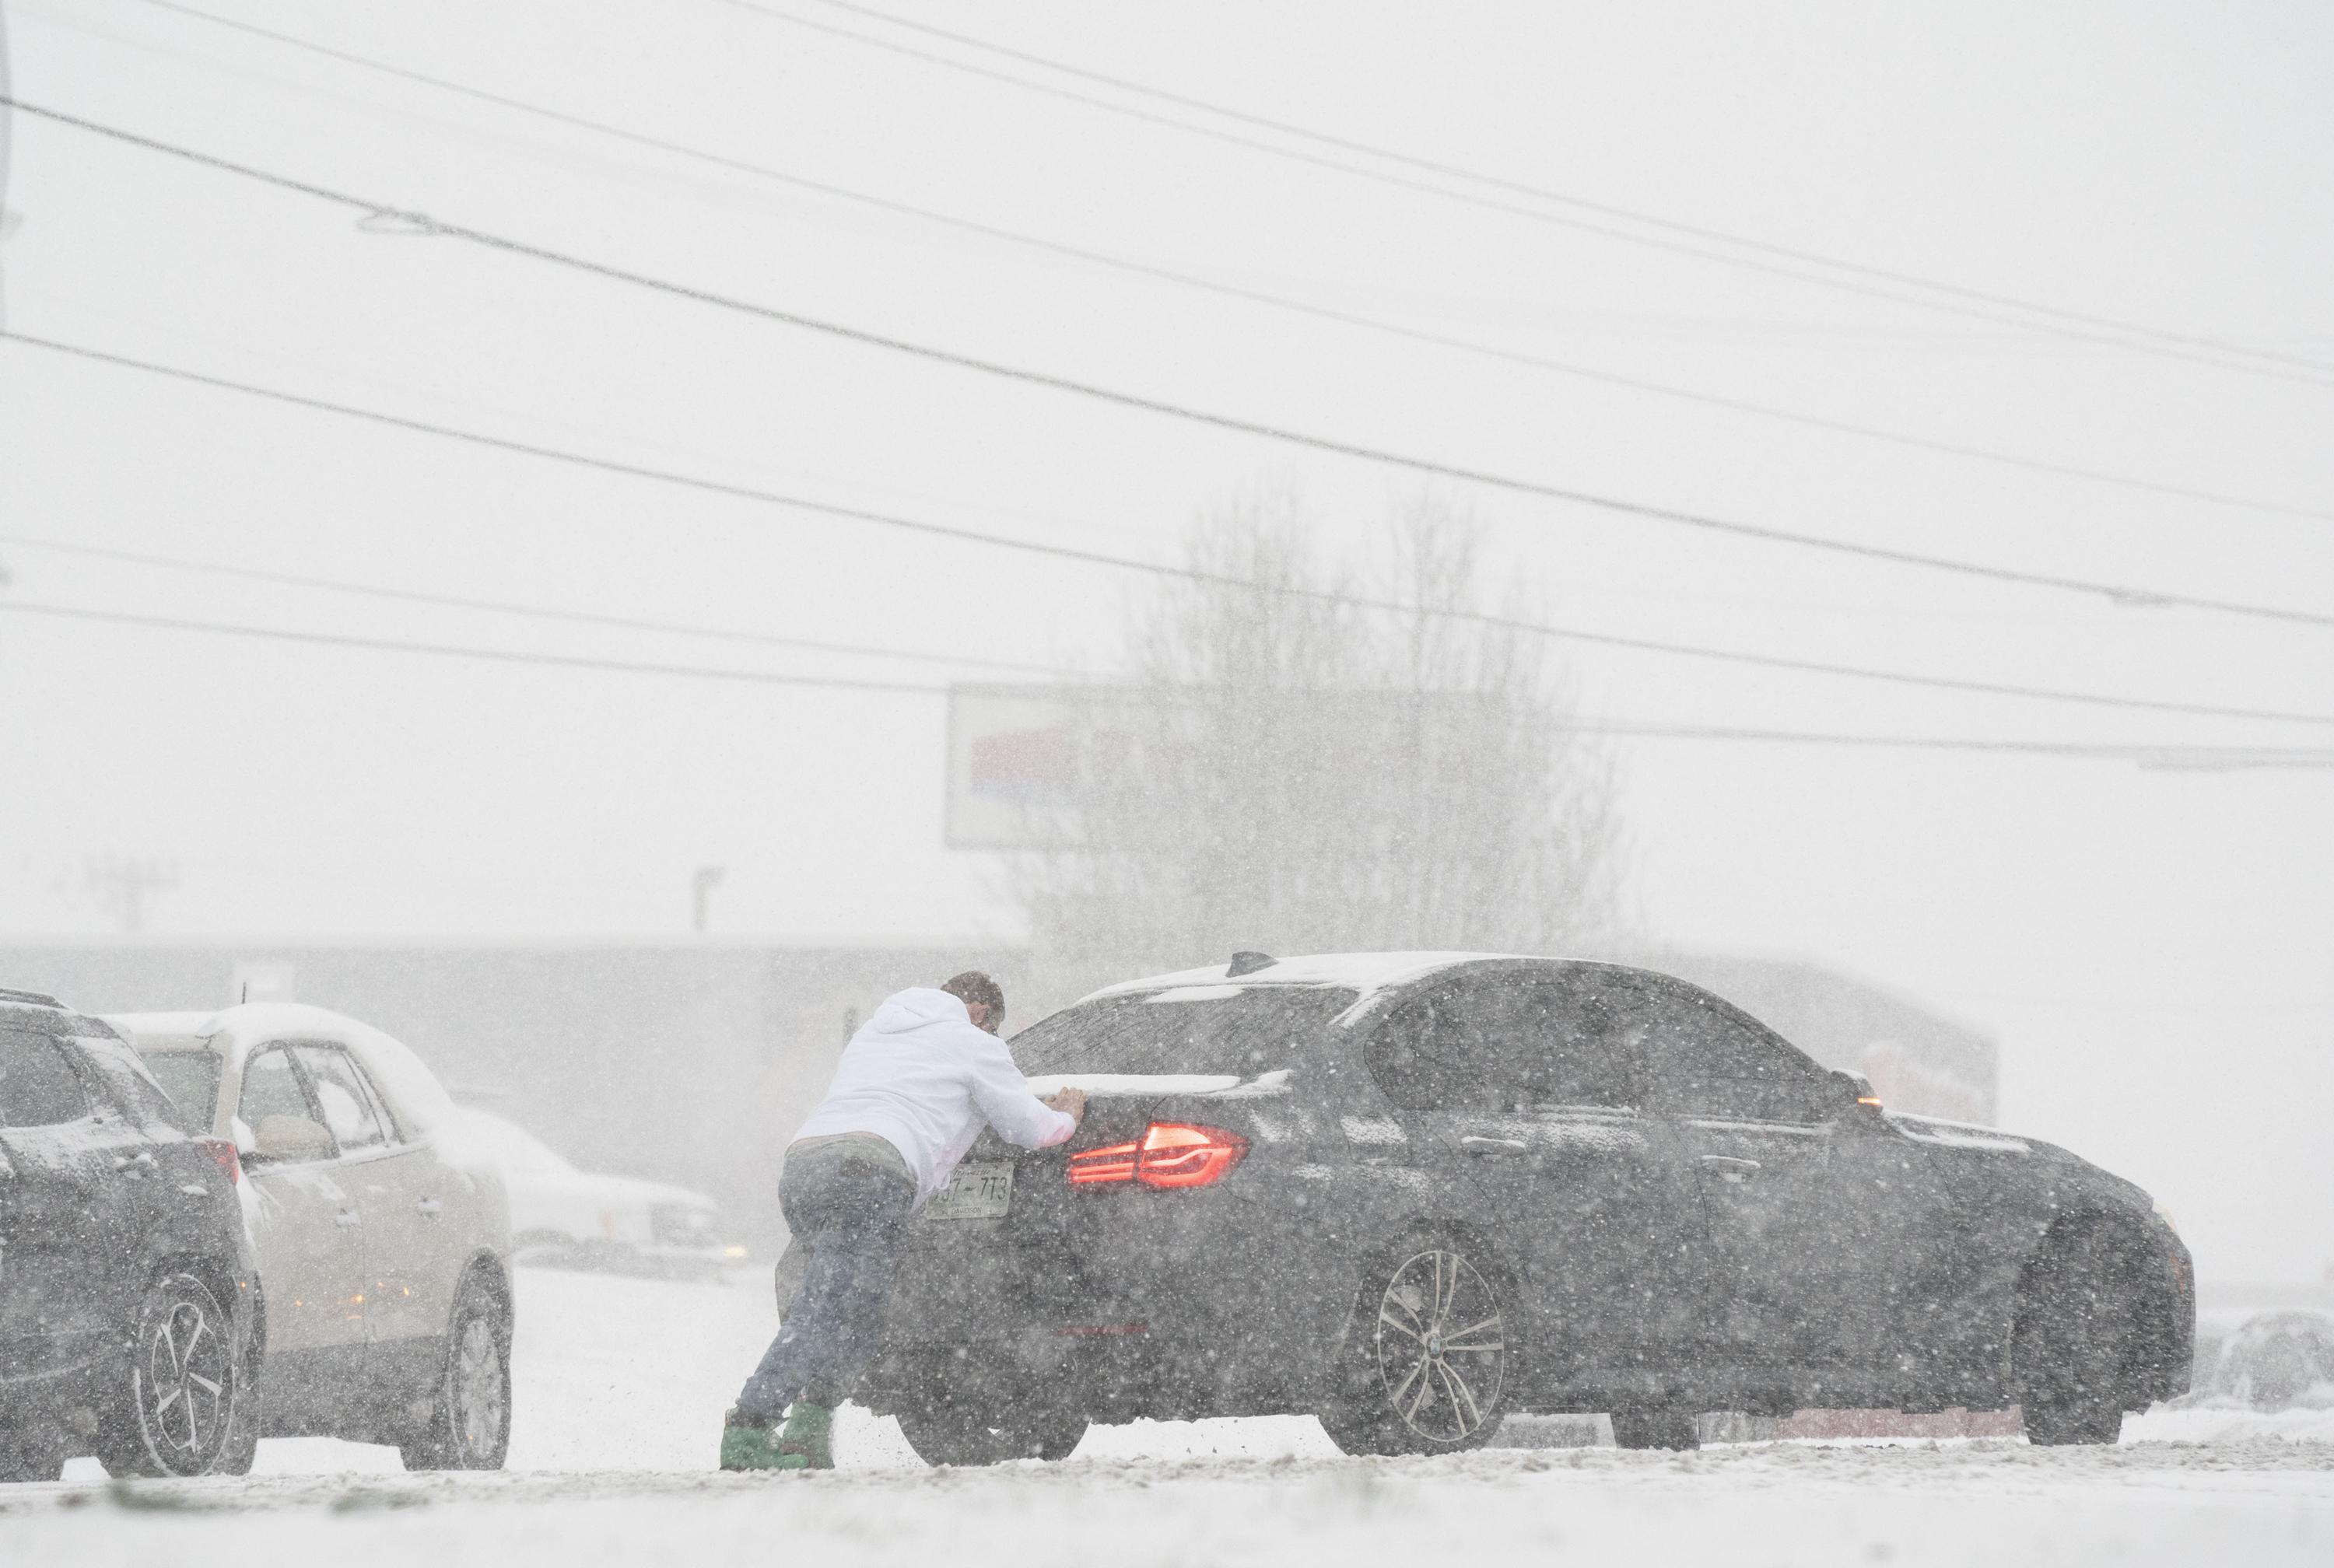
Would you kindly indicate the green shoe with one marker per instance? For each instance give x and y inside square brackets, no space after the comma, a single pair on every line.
[807,1441]
[748,1444]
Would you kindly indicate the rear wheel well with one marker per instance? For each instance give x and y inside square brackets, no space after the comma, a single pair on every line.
[1483,1251]
[1480,1250]
[241,1297]
[488,1274]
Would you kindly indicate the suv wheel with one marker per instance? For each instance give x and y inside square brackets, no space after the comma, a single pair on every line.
[1428,1363]
[180,1409]
[469,1404]
[2072,1341]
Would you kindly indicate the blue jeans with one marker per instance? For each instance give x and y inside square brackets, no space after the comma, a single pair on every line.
[850,1206]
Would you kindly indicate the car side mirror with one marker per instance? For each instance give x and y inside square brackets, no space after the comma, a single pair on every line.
[1855,1094]
[291,1138]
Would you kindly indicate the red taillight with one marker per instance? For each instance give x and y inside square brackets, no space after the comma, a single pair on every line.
[1115,1163]
[222,1151]
[1168,1154]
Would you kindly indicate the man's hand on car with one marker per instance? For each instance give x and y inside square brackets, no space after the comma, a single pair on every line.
[1070,1101]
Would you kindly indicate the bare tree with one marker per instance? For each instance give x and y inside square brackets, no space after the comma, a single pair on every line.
[1286,771]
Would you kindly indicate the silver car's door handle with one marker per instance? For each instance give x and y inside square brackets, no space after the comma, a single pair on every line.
[428,1206]
[1473,1143]
[348,1217]
[1728,1168]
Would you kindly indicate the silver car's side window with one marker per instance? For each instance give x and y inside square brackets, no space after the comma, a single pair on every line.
[275,1106]
[346,1102]
[393,1130]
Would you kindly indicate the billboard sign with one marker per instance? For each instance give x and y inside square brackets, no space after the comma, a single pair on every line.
[1013,765]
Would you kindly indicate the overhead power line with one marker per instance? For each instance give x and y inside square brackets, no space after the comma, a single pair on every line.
[2143,752]
[422,222]
[1253,295]
[452,650]
[503,607]
[1135,563]
[1566,199]
[2262,363]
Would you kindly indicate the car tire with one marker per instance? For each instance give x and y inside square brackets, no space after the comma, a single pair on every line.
[1429,1359]
[467,1427]
[2073,1340]
[1672,1429]
[181,1387]
[948,1434]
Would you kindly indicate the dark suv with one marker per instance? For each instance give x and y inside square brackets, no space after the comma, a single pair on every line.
[129,1307]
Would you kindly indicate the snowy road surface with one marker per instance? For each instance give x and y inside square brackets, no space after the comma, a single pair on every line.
[621,1383]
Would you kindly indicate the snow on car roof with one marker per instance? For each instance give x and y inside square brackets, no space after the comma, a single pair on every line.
[1363,972]
[413,1091]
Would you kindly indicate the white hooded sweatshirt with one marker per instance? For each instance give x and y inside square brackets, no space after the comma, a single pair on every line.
[921,1076]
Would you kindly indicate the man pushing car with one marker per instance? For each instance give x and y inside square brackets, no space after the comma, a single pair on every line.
[910,1096]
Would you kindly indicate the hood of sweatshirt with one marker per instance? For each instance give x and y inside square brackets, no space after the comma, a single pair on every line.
[918,1008]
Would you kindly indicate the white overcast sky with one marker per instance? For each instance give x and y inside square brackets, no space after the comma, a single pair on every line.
[2155,949]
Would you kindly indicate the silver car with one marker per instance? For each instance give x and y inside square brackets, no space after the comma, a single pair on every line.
[383,1242]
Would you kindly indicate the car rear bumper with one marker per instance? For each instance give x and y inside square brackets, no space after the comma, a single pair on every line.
[1133,1303]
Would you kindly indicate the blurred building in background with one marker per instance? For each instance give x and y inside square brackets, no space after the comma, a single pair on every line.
[692,1062]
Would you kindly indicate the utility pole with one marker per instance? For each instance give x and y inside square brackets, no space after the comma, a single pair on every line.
[700,889]
[123,886]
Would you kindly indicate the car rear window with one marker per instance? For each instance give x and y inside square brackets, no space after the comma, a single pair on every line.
[192,1080]
[1214,1029]
[38,1087]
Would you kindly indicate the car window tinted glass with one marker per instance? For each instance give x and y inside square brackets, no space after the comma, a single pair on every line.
[271,1087]
[347,1103]
[1219,1029]
[1441,1051]
[1508,1040]
[38,1086]
[192,1080]
[124,1084]
[1588,1054]
[1708,1059]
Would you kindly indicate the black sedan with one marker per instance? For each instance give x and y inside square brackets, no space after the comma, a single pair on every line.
[1414,1193]
[127,1301]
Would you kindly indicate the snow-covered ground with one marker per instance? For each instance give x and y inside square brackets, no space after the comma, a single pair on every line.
[621,1383]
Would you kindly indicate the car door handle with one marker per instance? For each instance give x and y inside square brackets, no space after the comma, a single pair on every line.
[1728,1168]
[428,1206]
[348,1217]
[1474,1143]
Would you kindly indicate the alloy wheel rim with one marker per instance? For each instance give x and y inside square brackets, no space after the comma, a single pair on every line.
[187,1370]
[1442,1346]
[478,1397]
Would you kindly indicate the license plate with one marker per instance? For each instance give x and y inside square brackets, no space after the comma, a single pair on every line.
[974,1192]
